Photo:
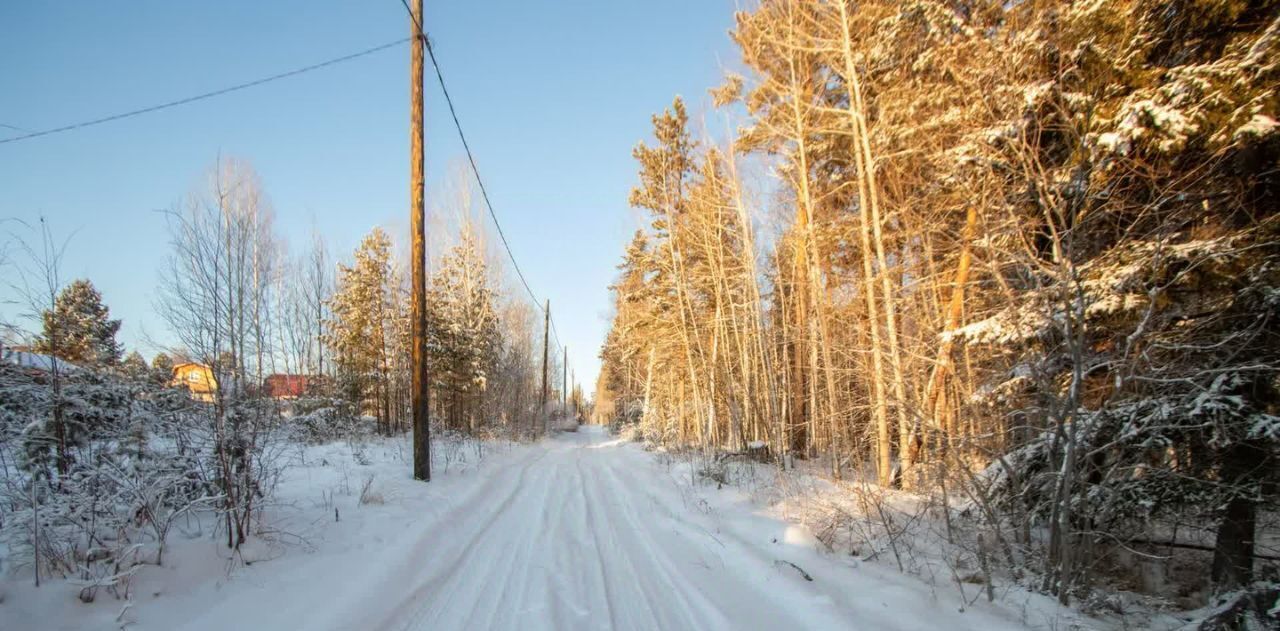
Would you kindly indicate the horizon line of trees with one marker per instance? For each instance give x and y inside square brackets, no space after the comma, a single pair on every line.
[239,304]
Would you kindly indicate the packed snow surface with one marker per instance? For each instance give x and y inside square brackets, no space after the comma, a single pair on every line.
[575,532]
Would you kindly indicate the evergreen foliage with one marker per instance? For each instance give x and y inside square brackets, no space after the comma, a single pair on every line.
[79,328]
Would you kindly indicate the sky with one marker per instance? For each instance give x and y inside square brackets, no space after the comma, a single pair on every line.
[552,95]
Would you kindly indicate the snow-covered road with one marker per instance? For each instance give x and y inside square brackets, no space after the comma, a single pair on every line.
[573,537]
[579,531]
[585,532]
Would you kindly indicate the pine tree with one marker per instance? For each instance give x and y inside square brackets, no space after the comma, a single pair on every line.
[360,333]
[161,368]
[463,334]
[134,367]
[79,328]
[625,352]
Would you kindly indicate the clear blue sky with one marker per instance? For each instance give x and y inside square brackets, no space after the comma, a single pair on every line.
[552,95]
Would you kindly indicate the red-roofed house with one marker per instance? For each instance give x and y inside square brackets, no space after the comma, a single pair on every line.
[281,386]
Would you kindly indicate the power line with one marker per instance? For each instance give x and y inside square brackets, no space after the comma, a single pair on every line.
[555,333]
[206,95]
[471,158]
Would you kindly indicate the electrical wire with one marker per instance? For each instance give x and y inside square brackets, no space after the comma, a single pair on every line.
[484,193]
[206,95]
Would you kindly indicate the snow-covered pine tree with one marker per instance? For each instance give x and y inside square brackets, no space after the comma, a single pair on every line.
[134,367]
[79,328]
[161,368]
[462,332]
[358,333]
[1137,155]
[625,366]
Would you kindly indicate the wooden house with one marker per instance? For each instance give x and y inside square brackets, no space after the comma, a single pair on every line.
[198,379]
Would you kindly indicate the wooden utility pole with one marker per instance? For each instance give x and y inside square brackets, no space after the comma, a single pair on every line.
[546,332]
[564,382]
[417,227]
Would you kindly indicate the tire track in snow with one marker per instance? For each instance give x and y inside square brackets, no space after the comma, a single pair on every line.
[695,604]
[625,594]
[511,528]
[470,518]
[525,562]
[589,525]
[552,574]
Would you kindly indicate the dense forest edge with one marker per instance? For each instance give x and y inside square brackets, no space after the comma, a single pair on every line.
[1018,261]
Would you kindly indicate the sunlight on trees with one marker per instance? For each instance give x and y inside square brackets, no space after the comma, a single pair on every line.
[1026,256]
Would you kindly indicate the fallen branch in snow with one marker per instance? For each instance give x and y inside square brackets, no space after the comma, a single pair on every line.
[124,610]
[1190,546]
[367,497]
[798,569]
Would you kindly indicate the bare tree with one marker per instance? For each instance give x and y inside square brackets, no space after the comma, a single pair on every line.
[215,296]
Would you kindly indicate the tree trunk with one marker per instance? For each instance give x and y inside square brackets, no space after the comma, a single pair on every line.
[1233,551]
[865,199]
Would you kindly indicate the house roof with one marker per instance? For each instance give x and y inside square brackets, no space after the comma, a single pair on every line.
[37,361]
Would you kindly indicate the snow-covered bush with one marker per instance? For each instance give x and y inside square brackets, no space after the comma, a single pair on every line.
[324,420]
[92,491]
[1255,607]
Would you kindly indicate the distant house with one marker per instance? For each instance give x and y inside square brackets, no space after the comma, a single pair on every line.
[197,379]
[280,386]
[35,362]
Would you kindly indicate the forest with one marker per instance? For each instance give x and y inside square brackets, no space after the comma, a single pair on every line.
[1013,262]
